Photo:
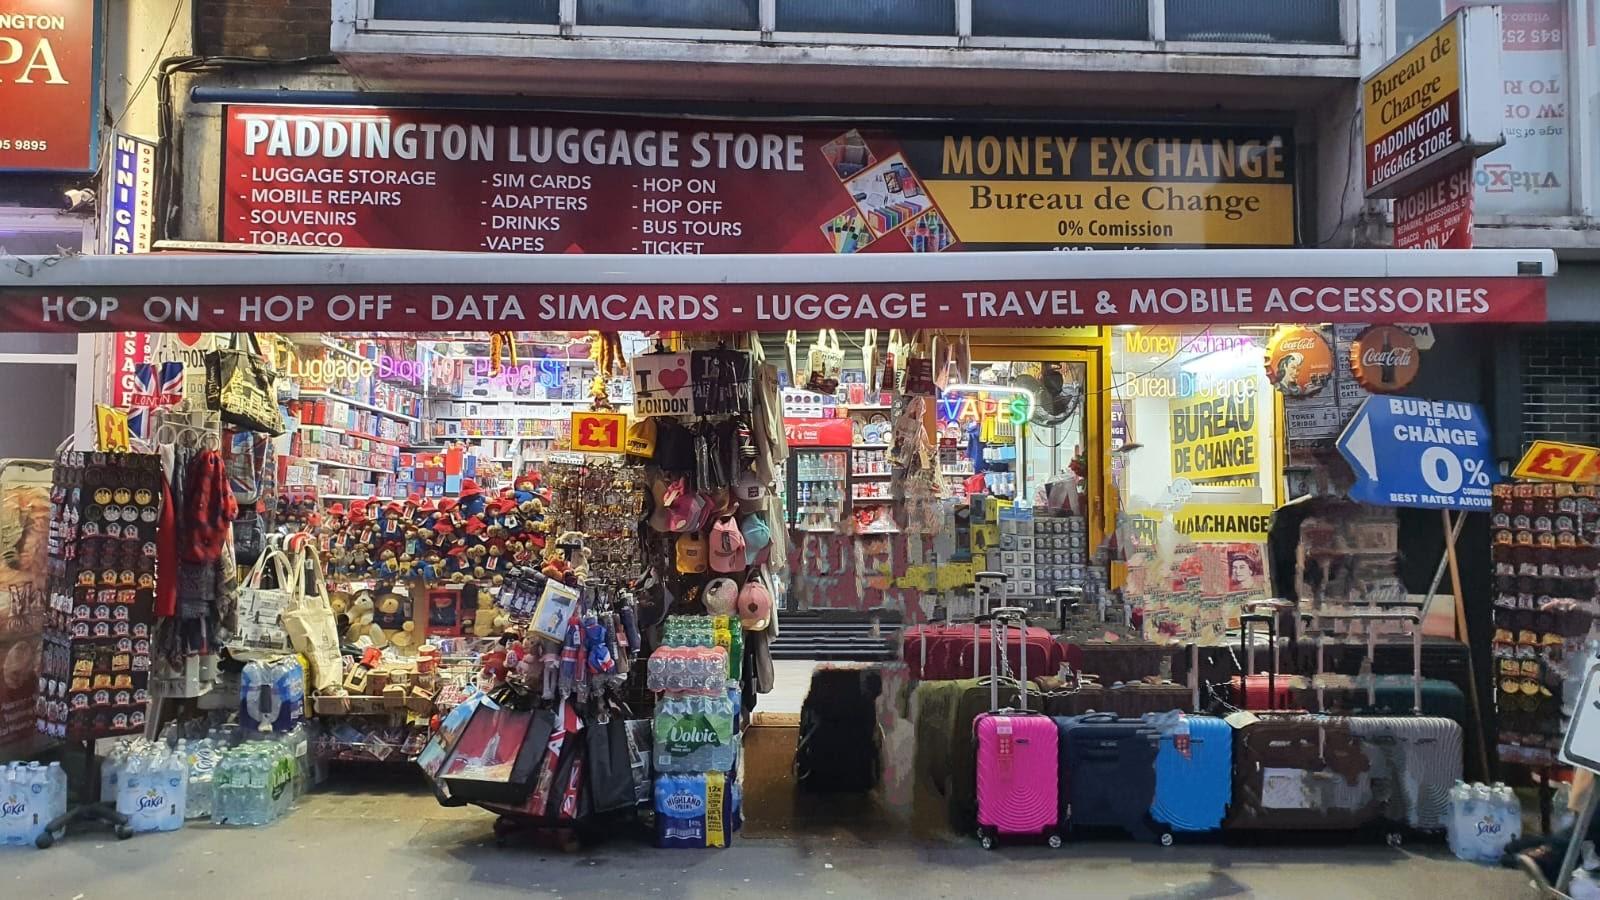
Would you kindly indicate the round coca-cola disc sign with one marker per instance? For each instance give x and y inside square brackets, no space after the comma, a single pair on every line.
[1384,359]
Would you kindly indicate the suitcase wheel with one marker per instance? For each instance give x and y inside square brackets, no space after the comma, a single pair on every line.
[1395,838]
[1166,839]
[1055,842]
[985,839]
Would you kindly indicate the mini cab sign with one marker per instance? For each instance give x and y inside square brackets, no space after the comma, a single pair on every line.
[598,432]
[1555,461]
[1435,106]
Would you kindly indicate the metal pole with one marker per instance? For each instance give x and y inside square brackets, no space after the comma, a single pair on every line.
[1580,831]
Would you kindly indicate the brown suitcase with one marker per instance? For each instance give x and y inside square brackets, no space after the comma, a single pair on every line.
[1111,662]
[1300,772]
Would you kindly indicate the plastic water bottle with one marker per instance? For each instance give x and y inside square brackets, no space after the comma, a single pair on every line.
[58,790]
[1509,809]
[23,805]
[1456,823]
[202,771]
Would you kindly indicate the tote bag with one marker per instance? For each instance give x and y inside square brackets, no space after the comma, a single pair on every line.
[310,624]
[241,384]
[261,609]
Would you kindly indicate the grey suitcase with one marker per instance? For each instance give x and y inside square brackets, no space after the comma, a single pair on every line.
[1414,762]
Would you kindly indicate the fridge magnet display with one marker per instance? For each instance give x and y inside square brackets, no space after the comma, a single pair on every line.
[1384,359]
[1299,361]
[889,194]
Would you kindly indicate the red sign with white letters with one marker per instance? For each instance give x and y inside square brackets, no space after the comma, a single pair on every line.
[48,85]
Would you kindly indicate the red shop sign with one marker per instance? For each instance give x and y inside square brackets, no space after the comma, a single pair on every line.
[49,84]
[817,432]
[745,292]
[1437,216]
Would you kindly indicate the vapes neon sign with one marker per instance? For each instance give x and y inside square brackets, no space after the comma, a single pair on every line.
[1015,407]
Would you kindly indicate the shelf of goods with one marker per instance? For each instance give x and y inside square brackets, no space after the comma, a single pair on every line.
[358,404]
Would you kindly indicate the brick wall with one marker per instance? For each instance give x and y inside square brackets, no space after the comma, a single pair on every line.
[1561,384]
[272,29]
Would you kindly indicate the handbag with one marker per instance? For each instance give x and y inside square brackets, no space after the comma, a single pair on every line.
[310,625]
[497,756]
[261,608]
[242,385]
[609,764]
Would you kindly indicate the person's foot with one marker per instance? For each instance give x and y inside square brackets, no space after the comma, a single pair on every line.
[1543,864]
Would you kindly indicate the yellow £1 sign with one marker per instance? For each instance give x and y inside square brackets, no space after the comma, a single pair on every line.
[598,432]
[1555,461]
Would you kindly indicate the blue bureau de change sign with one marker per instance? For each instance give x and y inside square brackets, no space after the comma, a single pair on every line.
[1423,453]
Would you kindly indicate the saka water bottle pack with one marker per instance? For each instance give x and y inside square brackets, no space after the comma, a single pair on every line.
[30,796]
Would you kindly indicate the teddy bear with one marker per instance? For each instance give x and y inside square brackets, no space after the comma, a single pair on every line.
[362,612]
[483,621]
[395,625]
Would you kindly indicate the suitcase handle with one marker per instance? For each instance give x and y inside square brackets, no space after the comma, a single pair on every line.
[1097,717]
[1248,645]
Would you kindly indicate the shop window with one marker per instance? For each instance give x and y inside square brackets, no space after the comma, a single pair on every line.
[1194,467]
[519,12]
[728,14]
[868,16]
[1125,20]
[1254,21]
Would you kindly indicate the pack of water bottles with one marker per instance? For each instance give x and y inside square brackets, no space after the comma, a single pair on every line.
[272,694]
[698,670]
[1483,820]
[149,782]
[31,794]
[701,810]
[705,631]
[257,782]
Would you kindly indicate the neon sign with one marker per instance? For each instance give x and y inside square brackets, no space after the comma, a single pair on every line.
[1014,406]
[327,371]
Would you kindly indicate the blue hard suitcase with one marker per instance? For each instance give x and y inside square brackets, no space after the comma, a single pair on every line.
[1109,773]
[1193,786]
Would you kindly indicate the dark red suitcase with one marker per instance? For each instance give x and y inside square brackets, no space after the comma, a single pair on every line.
[938,652]
[1044,654]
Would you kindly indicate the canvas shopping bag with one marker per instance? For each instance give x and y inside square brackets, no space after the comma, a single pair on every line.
[498,755]
[261,608]
[825,361]
[241,384]
[310,625]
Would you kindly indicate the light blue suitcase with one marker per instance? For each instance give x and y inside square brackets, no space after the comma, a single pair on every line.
[1193,790]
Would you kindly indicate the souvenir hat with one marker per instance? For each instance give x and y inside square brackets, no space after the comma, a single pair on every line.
[727,546]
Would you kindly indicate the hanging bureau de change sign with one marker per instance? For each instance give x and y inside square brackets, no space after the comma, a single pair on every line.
[1437,105]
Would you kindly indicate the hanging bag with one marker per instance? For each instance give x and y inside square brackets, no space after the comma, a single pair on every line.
[309,622]
[261,609]
[242,385]
[826,359]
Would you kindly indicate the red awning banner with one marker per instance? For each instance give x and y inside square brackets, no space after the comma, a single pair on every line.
[430,292]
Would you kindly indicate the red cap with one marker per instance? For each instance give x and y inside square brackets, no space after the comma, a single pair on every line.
[414,498]
[336,509]
[426,505]
[446,504]
[444,526]
[475,525]
[469,488]
[456,551]
[392,507]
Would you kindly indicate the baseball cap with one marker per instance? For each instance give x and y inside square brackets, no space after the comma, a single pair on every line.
[691,553]
[727,546]
[721,597]
[757,539]
[755,605]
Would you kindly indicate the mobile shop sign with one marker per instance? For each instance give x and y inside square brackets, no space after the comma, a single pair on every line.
[1419,453]
[1437,216]
[129,191]
[555,182]
[767,307]
[1438,101]
[49,84]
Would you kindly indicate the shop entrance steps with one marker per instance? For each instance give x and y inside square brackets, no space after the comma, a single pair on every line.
[836,636]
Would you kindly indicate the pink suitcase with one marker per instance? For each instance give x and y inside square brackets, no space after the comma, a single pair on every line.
[1018,764]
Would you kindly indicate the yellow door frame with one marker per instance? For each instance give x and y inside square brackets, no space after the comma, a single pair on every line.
[1089,346]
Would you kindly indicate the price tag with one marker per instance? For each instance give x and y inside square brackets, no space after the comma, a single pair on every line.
[598,432]
[1555,461]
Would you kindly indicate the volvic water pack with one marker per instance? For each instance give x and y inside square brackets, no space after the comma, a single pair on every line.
[694,734]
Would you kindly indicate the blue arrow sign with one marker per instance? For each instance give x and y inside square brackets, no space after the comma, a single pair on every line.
[1425,453]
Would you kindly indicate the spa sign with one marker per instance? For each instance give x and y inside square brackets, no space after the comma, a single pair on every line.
[49,85]
[553,182]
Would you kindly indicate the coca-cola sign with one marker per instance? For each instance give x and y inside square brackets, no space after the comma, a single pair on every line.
[1384,359]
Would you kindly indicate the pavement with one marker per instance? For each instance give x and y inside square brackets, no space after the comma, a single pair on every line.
[388,840]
